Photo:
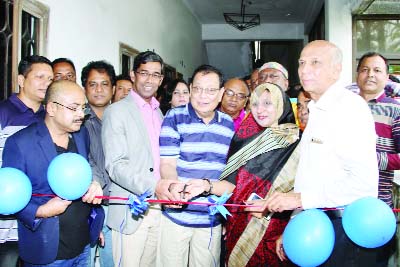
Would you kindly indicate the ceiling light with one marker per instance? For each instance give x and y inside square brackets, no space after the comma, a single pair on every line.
[242,21]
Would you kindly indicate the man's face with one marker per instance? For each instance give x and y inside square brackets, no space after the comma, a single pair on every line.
[273,76]
[372,75]
[68,111]
[147,79]
[317,70]
[122,89]
[205,94]
[34,85]
[99,89]
[302,109]
[235,97]
[254,80]
[64,71]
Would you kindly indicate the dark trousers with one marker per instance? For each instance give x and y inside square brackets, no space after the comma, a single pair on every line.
[9,254]
[348,254]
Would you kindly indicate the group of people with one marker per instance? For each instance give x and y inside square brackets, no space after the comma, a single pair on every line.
[212,138]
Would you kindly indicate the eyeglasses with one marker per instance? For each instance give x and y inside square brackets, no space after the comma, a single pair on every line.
[271,76]
[84,108]
[209,91]
[231,93]
[145,74]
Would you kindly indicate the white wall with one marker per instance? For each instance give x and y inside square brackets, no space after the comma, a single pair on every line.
[232,58]
[338,21]
[92,29]
[277,31]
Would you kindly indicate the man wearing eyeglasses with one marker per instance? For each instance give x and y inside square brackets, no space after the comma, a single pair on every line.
[194,143]
[273,72]
[98,80]
[130,137]
[16,112]
[234,100]
[53,231]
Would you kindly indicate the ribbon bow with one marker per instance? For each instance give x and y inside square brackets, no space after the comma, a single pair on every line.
[219,205]
[137,204]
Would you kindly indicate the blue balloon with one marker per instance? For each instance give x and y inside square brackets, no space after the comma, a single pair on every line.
[309,238]
[16,190]
[369,222]
[69,176]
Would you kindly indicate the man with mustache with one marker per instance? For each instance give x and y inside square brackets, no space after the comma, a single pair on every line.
[17,112]
[53,231]
[98,79]
[372,76]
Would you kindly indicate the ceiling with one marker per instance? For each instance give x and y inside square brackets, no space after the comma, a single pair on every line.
[271,11]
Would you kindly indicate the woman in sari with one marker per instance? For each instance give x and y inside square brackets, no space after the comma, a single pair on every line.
[262,159]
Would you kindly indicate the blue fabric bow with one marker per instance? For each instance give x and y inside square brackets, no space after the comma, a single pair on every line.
[219,207]
[137,204]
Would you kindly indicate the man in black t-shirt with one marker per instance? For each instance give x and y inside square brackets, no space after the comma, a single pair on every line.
[53,230]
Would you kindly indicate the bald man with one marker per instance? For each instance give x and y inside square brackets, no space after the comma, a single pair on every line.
[338,158]
[52,230]
[235,99]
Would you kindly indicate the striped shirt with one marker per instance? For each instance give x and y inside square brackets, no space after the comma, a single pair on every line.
[386,113]
[14,116]
[200,149]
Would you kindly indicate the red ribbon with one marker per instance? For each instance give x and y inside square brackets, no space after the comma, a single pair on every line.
[159,201]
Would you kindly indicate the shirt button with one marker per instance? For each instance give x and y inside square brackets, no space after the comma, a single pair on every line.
[151,169]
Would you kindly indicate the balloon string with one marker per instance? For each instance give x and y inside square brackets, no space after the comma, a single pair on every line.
[161,201]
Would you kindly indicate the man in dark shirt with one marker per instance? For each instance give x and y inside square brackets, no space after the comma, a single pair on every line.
[18,111]
[98,79]
[54,231]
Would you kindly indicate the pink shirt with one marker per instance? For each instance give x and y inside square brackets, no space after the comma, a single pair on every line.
[152,119]
[238,120]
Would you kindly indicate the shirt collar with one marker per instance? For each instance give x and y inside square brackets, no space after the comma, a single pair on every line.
[193,114]
[14,99]
[328,99]
[154,104]
[379,97]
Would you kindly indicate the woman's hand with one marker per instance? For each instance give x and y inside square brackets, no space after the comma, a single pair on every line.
[279,249]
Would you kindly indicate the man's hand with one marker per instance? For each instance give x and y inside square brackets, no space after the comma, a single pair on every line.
[197,187]
[279,202]
[93,191]
[53,207]
[102,239]
[170,190]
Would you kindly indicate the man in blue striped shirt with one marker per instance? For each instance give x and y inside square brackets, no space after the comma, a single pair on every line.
[194,143]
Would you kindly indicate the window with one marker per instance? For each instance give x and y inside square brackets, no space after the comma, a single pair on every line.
[376,28]
[23,30]
[126,55]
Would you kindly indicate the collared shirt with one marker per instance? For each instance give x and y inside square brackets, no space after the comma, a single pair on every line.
[386,113]
[238,120]
[337,151]
[14,116]
[200,149]
[152,120]
[96,155]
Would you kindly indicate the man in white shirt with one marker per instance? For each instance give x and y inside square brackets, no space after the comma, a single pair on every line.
[338,158]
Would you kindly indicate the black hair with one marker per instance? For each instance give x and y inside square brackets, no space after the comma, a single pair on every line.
[148,56]
[394,78]
[25,65]
[372,54]
[63,60]
[100,66]
[206,69]
[122,77]
[170,88]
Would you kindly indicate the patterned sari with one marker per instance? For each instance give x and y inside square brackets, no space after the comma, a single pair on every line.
[261,160]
